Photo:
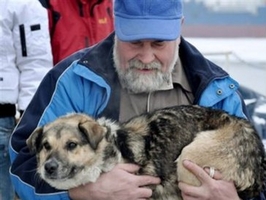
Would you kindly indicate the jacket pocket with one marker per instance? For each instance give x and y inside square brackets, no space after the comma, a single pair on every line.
[32,40]
[23,40]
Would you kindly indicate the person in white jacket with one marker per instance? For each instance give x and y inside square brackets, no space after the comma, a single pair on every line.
[25,57]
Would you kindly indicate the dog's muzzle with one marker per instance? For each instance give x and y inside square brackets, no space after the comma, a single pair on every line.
[51,168]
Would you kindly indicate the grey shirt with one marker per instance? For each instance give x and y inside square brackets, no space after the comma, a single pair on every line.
[134,104]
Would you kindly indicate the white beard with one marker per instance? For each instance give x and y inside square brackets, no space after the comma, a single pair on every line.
[137,82]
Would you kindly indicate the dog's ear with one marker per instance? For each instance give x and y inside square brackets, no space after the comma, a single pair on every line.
[34,141]
[93,131]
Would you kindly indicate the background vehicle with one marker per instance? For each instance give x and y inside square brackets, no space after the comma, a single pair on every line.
[256,105]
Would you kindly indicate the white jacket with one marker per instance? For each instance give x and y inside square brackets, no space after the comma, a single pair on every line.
[25,52]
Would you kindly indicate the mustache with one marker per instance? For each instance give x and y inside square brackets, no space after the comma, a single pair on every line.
[137,64]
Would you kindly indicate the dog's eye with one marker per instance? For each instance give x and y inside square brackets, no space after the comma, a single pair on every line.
[71,145]
[46,145]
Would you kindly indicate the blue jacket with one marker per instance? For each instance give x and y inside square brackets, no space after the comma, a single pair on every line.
[87,82]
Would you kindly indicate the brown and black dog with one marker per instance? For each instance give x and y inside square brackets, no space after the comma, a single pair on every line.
[76,149]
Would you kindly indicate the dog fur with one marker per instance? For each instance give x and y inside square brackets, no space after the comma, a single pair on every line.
[76,149]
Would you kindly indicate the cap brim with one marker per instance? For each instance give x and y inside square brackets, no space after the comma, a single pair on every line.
[153,29]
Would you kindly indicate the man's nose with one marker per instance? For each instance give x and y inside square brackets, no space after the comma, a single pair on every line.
[146,54]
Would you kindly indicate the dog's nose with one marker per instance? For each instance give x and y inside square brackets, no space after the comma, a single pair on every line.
[51,167]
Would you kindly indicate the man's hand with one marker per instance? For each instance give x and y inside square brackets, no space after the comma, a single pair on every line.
[211,188]
[119,184]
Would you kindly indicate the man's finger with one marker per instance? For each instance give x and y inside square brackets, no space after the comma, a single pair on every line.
[131,168]
[144,180]
[216,174]
[197,171]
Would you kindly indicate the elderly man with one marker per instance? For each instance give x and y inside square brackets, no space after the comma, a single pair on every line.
[144,65]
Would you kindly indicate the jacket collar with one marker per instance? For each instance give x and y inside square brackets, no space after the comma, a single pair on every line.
[199,70]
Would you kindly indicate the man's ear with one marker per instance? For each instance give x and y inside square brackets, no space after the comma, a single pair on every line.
[34,141]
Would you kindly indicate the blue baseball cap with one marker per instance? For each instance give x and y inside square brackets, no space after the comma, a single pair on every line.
[148,19]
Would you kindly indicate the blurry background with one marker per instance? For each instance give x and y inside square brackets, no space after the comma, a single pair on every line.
[232,34]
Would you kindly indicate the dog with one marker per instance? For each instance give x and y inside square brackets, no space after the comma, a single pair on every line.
[75,149]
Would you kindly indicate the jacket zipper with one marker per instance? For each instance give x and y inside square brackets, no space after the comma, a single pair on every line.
[23,40]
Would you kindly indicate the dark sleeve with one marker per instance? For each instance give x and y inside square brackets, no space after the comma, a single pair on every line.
[45,3]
